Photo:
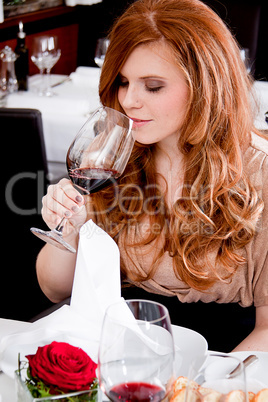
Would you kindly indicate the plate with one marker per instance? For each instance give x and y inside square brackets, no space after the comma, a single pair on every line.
[257,374]
[189,345]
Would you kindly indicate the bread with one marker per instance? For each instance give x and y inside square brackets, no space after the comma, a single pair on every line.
[198,393]
[261,396]
[251,396]
[209,395]
[235,396]
[182,382]
[192,396]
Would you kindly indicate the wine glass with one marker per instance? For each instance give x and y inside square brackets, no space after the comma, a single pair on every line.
[45,54]
[221,377]
[100,52]
[136,352]
[244,53]
[97,156]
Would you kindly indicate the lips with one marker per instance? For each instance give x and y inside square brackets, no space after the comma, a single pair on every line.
[139,122]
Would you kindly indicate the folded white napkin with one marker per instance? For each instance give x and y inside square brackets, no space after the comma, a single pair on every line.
[86,76]
[81,2]
[96,285]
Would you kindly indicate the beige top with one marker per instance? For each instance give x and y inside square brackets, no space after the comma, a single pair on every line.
[250,282]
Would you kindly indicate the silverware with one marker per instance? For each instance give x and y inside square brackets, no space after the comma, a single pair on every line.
[248,361]
[61,82]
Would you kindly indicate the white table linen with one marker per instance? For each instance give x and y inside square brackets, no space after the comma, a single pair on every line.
[96,285]
[63,114]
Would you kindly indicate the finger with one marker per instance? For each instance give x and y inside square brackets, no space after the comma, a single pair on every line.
[71,192]
[51,218]
[63,197]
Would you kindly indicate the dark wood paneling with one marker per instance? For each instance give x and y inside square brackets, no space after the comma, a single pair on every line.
[60,21]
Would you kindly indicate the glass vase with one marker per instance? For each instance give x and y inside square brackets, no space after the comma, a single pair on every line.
[24,395]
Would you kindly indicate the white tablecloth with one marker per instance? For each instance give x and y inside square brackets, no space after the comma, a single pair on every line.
[63,114]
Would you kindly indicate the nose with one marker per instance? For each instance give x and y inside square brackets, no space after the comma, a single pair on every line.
[131,98]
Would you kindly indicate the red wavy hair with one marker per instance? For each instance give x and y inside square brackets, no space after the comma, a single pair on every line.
[219,207]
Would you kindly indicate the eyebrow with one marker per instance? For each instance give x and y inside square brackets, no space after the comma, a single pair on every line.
[146,77]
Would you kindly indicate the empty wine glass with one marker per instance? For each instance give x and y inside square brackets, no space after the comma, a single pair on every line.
[244,53]
[100,52]
[221,377]
[45,54]
[97,156]
[136,352]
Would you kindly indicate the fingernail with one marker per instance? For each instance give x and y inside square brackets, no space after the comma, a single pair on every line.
[75,209]
[67,214]
[79,198]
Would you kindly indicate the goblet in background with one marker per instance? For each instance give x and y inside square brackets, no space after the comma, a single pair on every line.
[221,376]
[136,353]
[45,54]
[100,52]
[244,53]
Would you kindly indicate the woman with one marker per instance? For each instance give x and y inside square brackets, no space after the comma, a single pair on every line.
[192,218]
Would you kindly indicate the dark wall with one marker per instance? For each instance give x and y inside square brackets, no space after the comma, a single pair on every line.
[95,22]
[247,20]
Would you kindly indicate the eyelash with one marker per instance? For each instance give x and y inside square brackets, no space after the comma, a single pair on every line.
[153,89]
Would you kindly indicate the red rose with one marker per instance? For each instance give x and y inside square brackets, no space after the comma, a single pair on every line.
[62,365]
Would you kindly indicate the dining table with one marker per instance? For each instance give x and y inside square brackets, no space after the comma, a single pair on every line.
[76,96]
[257,375]
[63,114]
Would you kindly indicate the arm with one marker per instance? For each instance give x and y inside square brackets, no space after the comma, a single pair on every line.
[258,338]
[55,267]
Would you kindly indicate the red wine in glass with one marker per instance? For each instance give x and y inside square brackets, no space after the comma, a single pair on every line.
[136,392]
[90,180]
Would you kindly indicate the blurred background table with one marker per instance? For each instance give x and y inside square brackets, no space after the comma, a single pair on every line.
[63,115]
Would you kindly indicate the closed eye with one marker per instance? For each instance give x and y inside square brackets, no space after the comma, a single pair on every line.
[153,89]
[122,82]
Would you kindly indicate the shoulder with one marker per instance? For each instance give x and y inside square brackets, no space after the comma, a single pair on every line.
[256,156]
[259,143]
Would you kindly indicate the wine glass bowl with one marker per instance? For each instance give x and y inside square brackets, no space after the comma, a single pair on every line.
[96,158]
[45,54]
[136,353]
[100,51]
[106,142]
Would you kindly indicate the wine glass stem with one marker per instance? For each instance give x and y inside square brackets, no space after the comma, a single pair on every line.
[48,84]
[59,228]
[42,82]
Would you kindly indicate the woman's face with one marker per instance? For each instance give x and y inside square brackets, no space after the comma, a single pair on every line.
[154,93]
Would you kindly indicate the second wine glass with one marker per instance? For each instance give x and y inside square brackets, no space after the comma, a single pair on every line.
[136,353]
[45,54]
[100,51]
[97,156]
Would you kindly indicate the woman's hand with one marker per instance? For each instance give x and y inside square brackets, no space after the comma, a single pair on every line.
[63,200]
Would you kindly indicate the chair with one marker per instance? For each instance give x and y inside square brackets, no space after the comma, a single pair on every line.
[24,168]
